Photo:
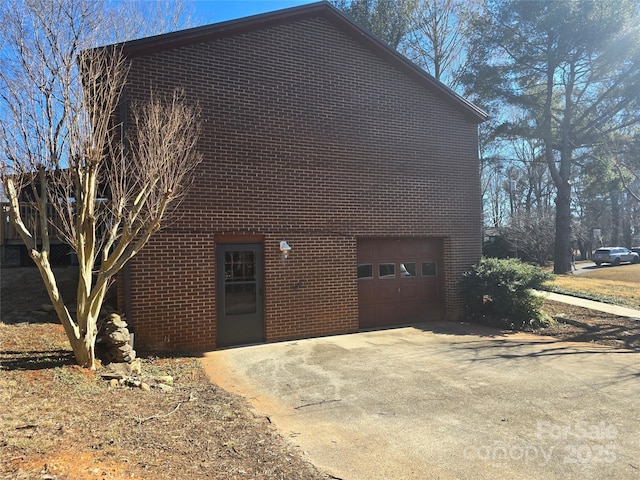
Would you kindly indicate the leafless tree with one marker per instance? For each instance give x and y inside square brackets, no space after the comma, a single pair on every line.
[626,170]
[627,164]
[102,190]
[438,41]
[389,20]
[531,235]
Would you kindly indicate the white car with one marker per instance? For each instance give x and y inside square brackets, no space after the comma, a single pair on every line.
[614,256]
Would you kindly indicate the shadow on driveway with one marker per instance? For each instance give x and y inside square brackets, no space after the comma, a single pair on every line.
[446,400]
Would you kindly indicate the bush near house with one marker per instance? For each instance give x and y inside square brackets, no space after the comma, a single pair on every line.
[498,247]
[498,292]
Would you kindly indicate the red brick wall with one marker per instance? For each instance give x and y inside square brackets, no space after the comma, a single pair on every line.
[307,136]
[313,291]
[173,292]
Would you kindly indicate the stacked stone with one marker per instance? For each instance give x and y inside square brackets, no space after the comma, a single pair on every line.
[113,342]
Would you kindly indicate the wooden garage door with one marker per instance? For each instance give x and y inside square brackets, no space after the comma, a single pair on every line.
[399,281]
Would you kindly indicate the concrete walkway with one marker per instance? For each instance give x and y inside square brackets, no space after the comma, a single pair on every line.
[446,401]
[593,305]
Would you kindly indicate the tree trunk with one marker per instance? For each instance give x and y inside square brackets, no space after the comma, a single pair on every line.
[614,241]
[84,350]
[562,253]
[82,340]
[561,178]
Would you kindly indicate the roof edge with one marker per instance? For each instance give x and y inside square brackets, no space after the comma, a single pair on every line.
[165,41]
[391,54]
[157,43]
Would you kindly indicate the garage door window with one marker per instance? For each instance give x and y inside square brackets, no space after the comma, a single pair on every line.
[407,269]
[365,271]
[387,270]
[428,269]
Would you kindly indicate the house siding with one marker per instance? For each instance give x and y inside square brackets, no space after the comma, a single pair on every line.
[308,136]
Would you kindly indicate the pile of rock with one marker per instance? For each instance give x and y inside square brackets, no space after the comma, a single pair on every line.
[113,344]
[122,368]
[129,375]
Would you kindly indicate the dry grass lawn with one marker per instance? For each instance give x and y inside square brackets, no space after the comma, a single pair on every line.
[619,285]
[59,421]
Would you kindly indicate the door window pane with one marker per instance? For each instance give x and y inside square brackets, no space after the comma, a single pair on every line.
[428,269]
[365,270]
[240,299]
[408,269]
[239,266]
[240,282]
[386,270]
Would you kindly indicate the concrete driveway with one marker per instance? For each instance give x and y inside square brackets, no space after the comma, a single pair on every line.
[446,401]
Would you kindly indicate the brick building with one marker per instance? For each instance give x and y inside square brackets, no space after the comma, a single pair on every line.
[317,135]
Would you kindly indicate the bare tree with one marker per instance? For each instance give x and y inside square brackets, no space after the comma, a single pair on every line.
[389,20]
[438,41]
[131,19]
[632,186]
[531,235]
[103,190]
[627,163]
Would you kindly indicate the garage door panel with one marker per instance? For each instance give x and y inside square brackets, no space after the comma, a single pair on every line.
[369,312]
[386,251]
[409,291]
[405,310]
[385,291]
[409,248]
[366,250]
[429,250]
[400,289]
[367,288]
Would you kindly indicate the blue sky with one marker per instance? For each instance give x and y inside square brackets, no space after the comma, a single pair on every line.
[213,11]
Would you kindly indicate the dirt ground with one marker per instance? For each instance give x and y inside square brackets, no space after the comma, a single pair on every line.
[578,324]
[59,421]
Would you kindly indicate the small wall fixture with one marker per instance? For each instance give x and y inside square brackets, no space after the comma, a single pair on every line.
[285,248]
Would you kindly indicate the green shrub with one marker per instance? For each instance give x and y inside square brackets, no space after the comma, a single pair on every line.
[498,292]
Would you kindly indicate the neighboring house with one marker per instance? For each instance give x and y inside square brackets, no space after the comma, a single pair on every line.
[315,134]
[491,234]
[13,251]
